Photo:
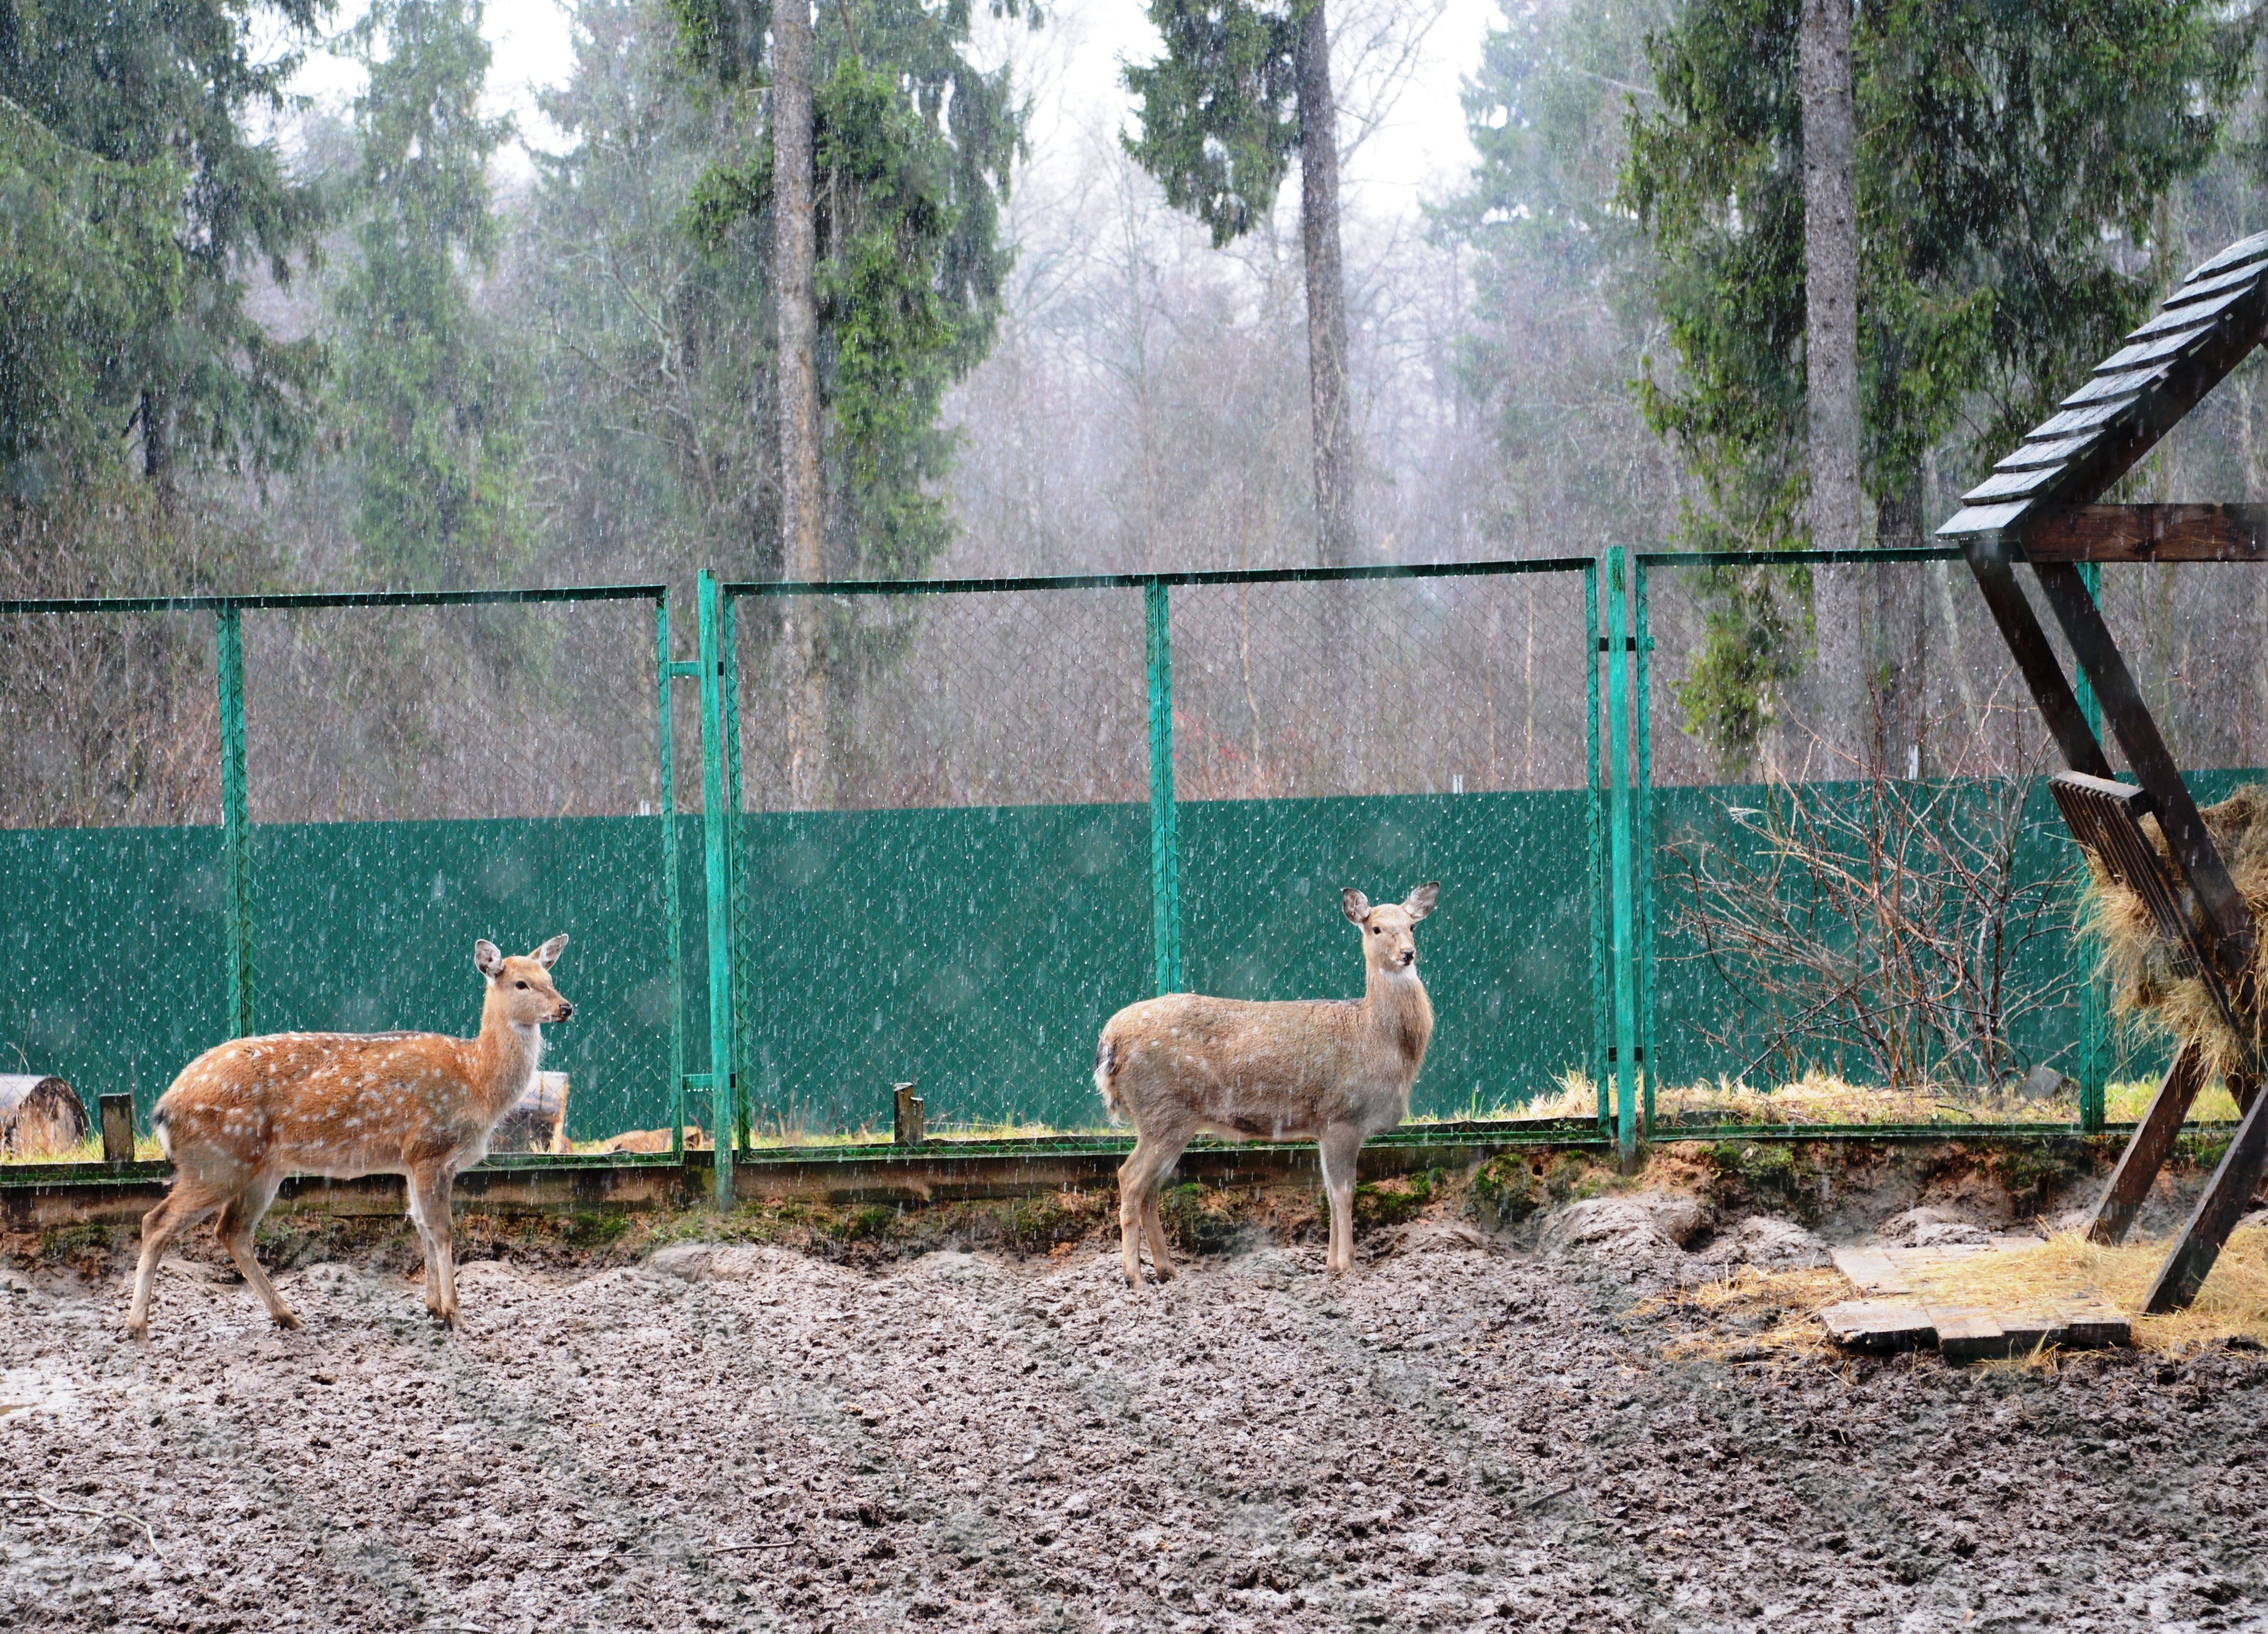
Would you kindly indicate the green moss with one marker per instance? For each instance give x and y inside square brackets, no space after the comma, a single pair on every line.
[1198,1221]
[1391,1203]
[590,1229]
[1779,1175]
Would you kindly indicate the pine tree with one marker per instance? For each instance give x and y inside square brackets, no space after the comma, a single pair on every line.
[431,417]
[144,83]
[2010,167]
[1241,88]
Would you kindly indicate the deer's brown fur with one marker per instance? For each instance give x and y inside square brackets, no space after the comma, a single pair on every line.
[1333,1071]
[244,1114]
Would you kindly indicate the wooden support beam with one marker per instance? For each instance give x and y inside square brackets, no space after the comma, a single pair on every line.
[2226,1197]
[2146,1154]
[2134,533]
[2043,671]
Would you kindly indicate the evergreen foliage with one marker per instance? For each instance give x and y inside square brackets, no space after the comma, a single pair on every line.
[89,266]
[2012,165]
[1561,274]
[1218,110]
[913,149]
[146,84]
[431,417]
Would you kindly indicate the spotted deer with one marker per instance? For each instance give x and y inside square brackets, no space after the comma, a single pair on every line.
[1334,1071]
[245,1114]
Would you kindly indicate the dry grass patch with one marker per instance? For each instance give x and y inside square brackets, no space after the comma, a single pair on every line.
[1751,1315]
[2233,1304]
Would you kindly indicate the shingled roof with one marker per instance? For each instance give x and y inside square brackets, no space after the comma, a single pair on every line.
[2213,319]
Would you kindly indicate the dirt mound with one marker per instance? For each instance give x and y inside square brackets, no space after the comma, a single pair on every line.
[2152,978]
[1654,1240]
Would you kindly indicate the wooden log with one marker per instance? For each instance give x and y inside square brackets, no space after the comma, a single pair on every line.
[41,1115]
[2035,659]
[118,1129]
[2133,533]
[537,1120]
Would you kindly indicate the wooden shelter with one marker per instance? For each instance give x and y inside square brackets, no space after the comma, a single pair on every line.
[2039,506]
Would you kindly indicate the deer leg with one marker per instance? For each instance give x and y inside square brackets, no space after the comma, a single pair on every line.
[1337,1149]
[429,1272]
[431,1193]
[188,1202]
[1167,1154]
[1132,1176]
[234,1229]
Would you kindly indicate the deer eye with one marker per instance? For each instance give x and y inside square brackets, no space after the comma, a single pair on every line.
[519,984]
[1375,930]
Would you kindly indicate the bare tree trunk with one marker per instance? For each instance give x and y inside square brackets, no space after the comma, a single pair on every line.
[1830,250]
[1901,644]
[1327,327]
[802,500]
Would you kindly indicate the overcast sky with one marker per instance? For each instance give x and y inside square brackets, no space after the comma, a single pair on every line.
[1419,150]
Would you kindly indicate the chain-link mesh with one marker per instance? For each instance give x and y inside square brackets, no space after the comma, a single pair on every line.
[945,859]
[111,953]
[943,862]
[1379,734]
[1858,878]
[423,777]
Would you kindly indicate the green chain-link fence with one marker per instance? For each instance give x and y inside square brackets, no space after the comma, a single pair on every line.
[974,818]
[296,812]
[977,818]
[1863,880]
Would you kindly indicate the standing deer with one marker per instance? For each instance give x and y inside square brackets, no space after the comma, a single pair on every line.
[245,1114]
[1332,1070]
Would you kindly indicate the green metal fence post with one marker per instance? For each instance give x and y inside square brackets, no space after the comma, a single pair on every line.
[1642,792]
[716,820]
[728,684]
[666,673]
[1165,847]
[2094,1023]
[1595,642]
[1620,865]
[235,821]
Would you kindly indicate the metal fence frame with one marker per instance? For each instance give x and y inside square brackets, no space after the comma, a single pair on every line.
[1620,817]
[721,774]
[236,815]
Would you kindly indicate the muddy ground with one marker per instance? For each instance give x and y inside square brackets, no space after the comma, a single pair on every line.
[1471,1431]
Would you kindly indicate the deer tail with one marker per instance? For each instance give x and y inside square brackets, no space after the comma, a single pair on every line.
[161,1125]
[1106,1070]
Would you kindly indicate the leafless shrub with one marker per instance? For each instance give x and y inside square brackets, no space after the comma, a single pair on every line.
[1878,918]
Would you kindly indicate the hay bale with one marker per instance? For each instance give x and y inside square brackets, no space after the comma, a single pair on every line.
[41,1115]
[2150,979]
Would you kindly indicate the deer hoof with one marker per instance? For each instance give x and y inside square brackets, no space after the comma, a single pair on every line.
[287,1319]
[137,1330]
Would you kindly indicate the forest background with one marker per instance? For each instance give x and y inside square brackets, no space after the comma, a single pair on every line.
[290,297]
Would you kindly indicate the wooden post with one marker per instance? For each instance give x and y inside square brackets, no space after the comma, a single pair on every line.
[117,1128]
[910,1127]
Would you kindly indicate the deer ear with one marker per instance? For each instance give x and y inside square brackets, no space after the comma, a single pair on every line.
[549,954]
[488,958]
[1353,904]
[1422,899]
